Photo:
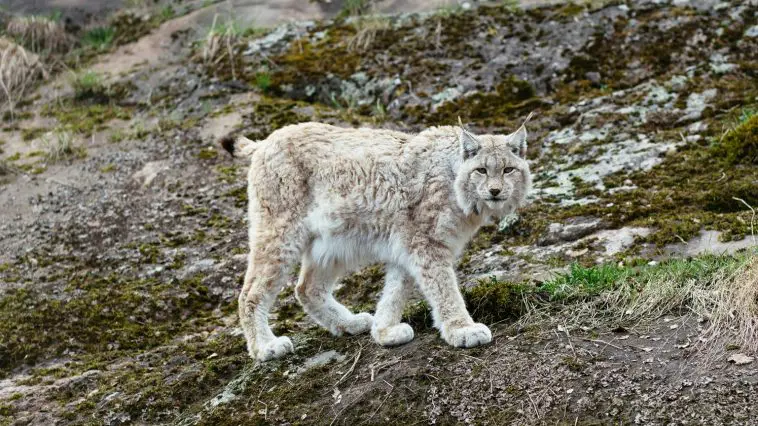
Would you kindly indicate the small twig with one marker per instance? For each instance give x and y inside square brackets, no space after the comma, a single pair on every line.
[723,176]
[568,337]
[534,406]
[603,342]
[681,239]
[384,400]
[352,367]
[752,218]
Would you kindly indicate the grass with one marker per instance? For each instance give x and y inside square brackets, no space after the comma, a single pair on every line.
[19,70]
[354,8]
[88,85]
[263,81]
[512,5]
[39,33]
[581,282]
[99,38]
[167,12]
[366,30]
[220,46]
[61,146]
[719,289]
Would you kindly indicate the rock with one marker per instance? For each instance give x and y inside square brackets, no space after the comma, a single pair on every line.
[593,76]
[741,359]
[199,266]
[320,360]
[752,31]
[150,171]
[696,104]
[573,230]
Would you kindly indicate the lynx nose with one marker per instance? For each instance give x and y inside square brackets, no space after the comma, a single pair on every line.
[494,191]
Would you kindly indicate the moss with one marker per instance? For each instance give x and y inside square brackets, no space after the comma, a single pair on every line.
[272,114]
[310,63]
[227,174]
[491,301]
[149,252]
[108,168]
[740,146]
[33,133]
[512,97]
[86,119]
[360,291]
[238,195]
[99,315]
[6,410]
[569,11]
[208,153]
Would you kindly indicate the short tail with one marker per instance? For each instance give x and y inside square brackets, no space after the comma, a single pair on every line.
[238,146]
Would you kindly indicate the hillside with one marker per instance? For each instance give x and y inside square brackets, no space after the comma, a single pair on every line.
[625,291]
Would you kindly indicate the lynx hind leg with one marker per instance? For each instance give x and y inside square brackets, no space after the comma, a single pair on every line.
[387,329]
[314,292]
[272,254]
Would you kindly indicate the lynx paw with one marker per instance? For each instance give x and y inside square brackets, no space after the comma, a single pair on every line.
[467,336]
[394,335]
[276,348]
[359,323]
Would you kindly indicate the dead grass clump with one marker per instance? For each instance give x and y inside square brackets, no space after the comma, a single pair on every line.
[19,69]
[367,29]
[733,311]
[220,46]
[721,291]
[60,145]
[39,34]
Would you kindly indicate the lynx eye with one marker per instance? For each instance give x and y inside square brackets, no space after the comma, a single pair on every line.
[508,170]
[481,170]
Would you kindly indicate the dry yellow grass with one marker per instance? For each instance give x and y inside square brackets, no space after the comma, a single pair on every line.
[19,69]
[366,30]
[732,309]
[721,292]
[220,45]
[39,34]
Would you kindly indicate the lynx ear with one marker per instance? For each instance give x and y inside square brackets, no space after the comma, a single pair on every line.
[517,139]
[469,144]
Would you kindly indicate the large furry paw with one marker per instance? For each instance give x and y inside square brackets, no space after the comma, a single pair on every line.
[394,335]
[467,336]
[359,323]
[273,349]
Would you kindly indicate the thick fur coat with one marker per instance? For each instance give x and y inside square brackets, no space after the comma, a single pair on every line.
[336,199]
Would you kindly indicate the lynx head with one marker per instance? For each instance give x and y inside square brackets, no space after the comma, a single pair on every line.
[493,178]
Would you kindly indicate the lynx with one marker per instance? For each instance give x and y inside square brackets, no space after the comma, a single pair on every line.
[337,199]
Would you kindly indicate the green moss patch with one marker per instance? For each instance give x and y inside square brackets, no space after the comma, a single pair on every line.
[510,98]
[86,119]
[98,315]
[740,146]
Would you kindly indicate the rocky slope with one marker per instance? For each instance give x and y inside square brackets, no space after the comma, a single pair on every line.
[122,255]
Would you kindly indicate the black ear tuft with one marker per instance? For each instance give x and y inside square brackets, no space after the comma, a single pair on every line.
[228,142]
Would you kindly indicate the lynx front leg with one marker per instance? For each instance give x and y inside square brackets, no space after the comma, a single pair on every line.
[387,329]
[439,285]
[314,291]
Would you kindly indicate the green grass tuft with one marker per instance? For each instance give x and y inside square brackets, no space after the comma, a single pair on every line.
[583,281]
[99,38]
